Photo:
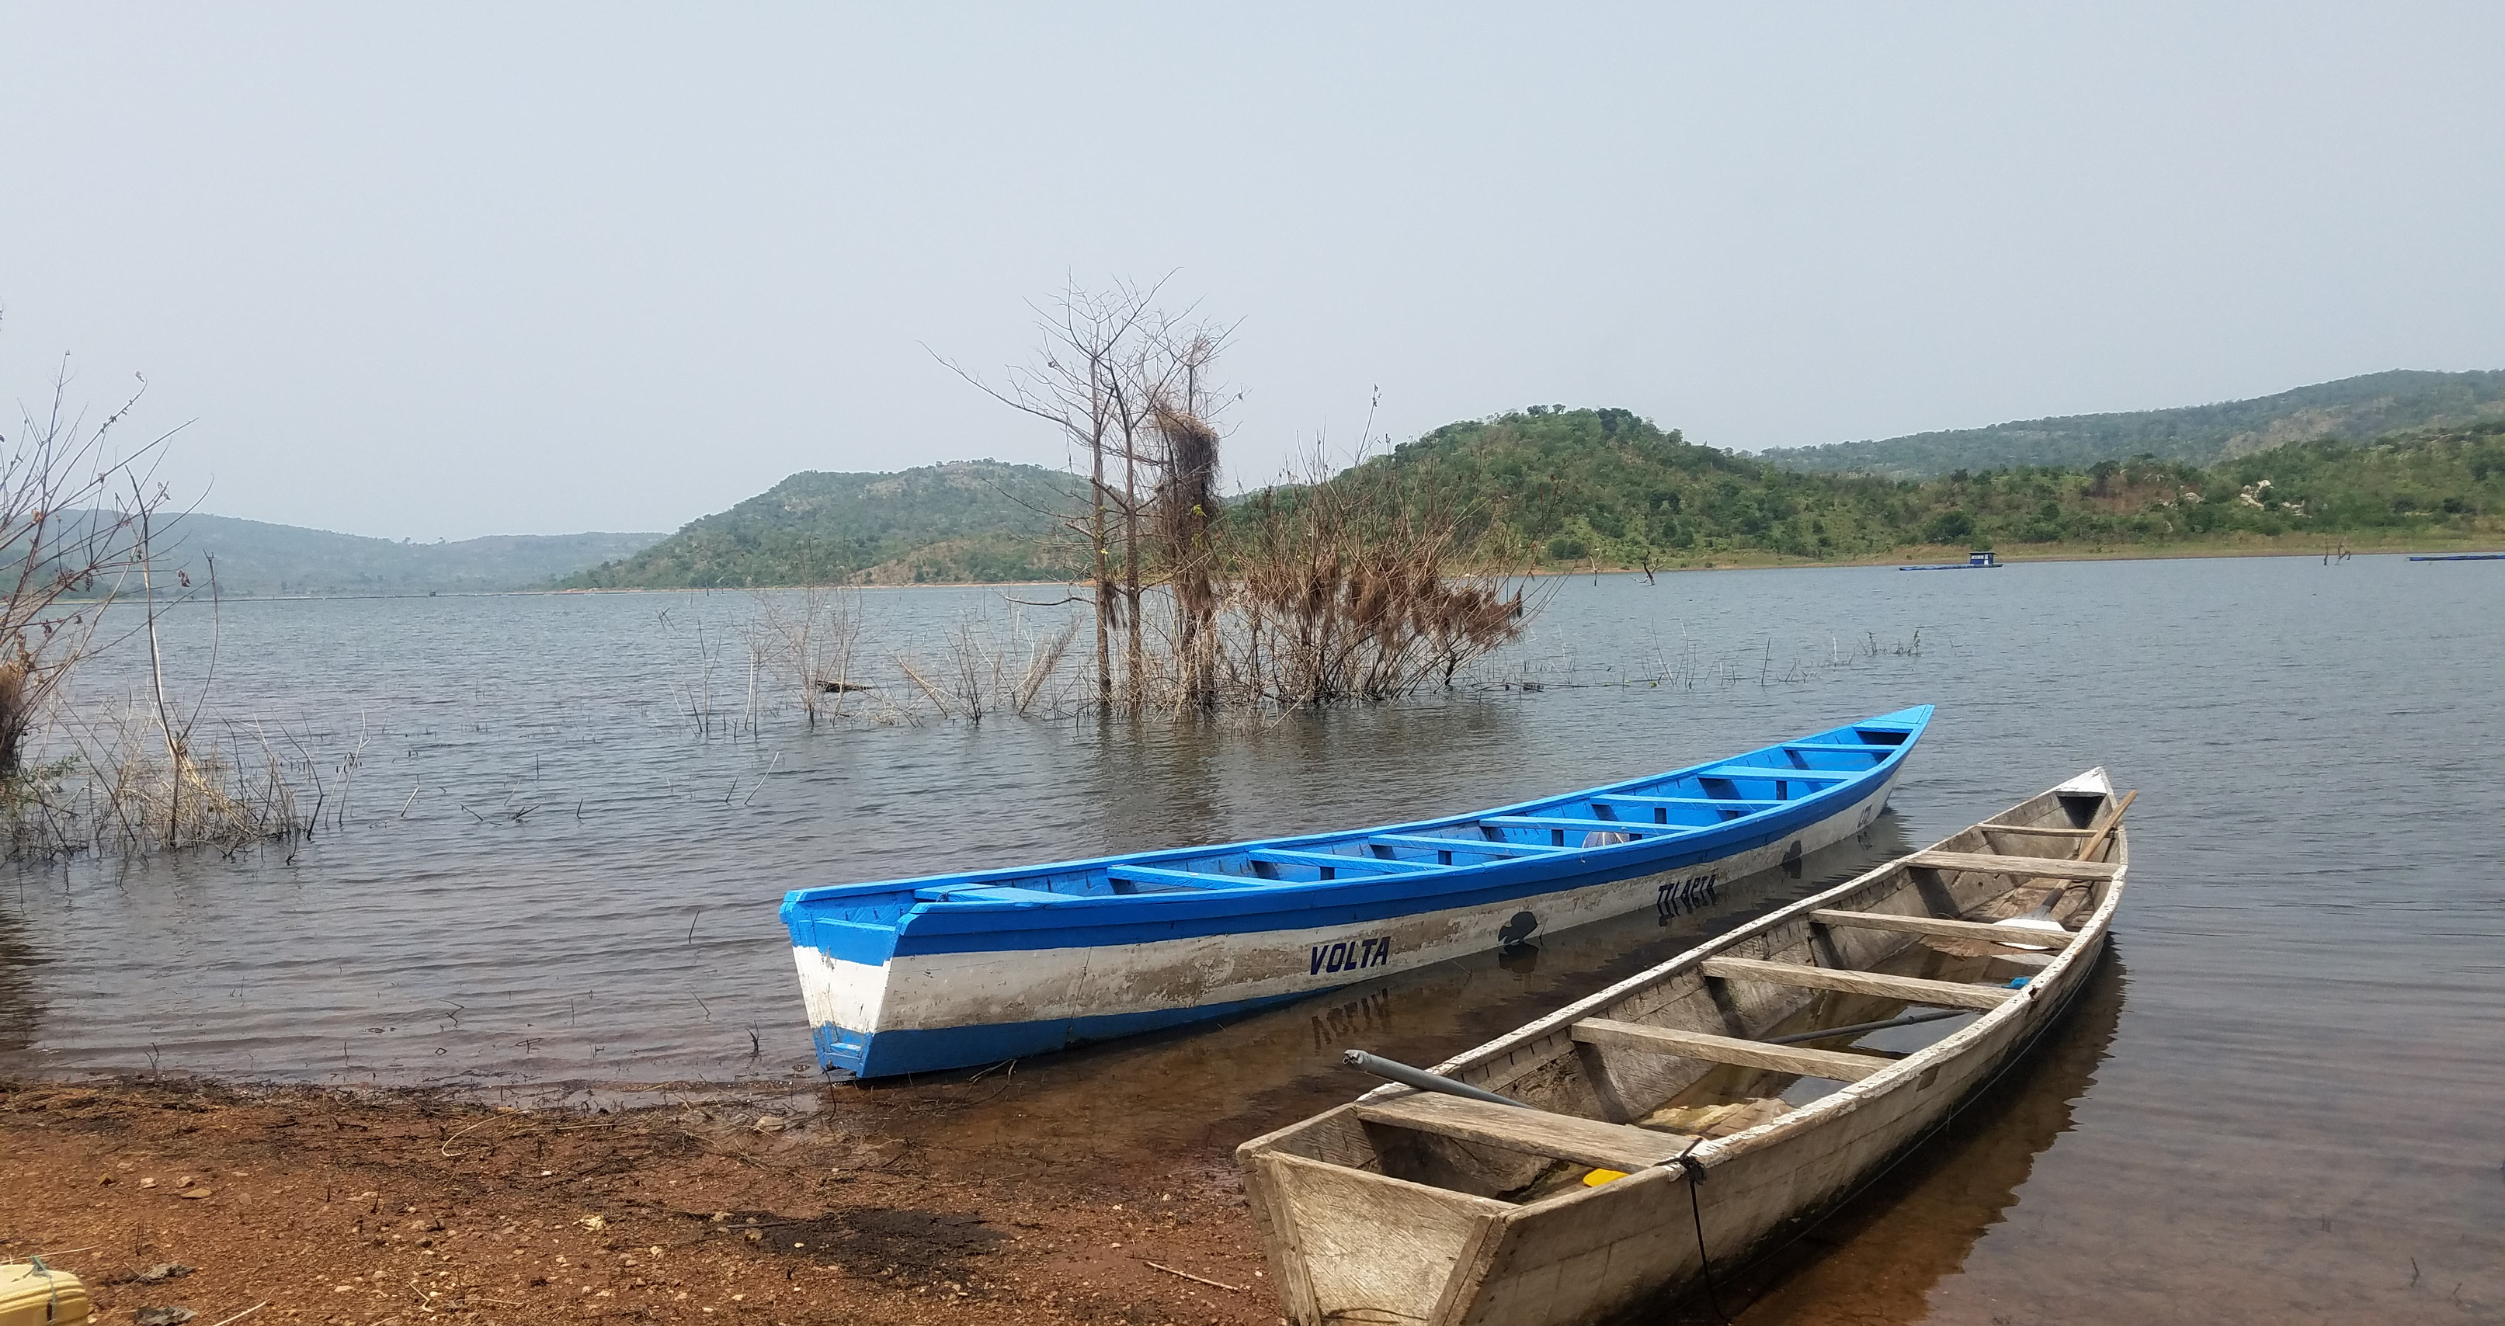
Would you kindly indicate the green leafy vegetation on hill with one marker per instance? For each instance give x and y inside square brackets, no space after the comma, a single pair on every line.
[1604,487]
[1572,489]
[2369,406]
[977,520]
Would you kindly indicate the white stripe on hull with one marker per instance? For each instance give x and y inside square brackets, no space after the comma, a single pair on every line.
[950,990]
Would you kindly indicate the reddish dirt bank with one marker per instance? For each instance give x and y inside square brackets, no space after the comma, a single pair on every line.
[392,1211]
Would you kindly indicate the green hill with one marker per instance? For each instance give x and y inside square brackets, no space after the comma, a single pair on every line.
[1604,487]
[1572,489]
[2360,407]
[975,520]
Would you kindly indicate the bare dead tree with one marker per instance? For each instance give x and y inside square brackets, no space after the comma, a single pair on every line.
[72,512]
[1131,417]
[1330,589]
[1081,383]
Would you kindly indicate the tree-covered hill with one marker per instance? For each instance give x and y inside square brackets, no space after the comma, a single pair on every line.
[2369,406]
[1604,487]
[965,520]
[1575,489]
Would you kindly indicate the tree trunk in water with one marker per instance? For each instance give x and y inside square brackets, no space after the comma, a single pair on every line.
[1104,586]
[1135,665]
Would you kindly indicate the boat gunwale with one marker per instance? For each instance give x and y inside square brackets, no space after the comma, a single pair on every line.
[1844,1099]
[1915,719]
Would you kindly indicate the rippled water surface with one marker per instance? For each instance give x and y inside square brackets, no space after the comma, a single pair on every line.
[2281,1102]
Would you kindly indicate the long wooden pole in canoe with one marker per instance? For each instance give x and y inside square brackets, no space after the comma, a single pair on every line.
[2098,831]
[2101,832]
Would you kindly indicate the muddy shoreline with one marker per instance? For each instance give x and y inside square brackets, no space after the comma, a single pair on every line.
[388,1208]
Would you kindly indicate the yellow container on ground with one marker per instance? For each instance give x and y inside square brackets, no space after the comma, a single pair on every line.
[34,1295]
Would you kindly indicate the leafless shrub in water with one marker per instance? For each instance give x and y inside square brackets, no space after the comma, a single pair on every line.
[809,638]
[225,794]
[123,788]
[1043,663]
[78,524]
[71,515]
[978,674]
[938,695]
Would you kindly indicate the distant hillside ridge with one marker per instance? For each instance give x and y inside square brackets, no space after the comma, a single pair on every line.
[1568,489]
[1590,489]
[2352,408]
[968,520]
[256,559]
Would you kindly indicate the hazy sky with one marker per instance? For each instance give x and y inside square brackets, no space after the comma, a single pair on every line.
[439,271]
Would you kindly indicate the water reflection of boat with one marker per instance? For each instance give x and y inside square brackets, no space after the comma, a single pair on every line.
[20,1010]
[1580,1191]
[953,970]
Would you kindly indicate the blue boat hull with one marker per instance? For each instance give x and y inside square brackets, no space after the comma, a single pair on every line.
[956,970]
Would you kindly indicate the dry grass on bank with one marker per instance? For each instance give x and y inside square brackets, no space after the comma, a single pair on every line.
[115,785]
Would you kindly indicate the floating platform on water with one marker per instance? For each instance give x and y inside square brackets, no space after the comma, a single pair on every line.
[1981,559]
[951,971]
[2458,557]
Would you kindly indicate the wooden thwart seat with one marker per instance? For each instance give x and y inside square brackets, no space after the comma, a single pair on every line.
[1911,989]
[1927,925]
[1836,1065]
[2033,867]
[1568,1137]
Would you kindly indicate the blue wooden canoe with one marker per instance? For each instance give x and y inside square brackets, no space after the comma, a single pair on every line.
[948,971]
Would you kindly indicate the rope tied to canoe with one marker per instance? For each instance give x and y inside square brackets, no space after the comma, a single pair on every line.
[52,1308]
[1694,1169]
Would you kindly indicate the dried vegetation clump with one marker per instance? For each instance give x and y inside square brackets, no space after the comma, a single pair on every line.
[78,521]
[1346,592]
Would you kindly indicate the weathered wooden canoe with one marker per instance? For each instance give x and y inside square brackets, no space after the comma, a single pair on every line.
[1411,1206]
[953,970]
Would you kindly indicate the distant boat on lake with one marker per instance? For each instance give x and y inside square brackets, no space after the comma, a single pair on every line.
[1981,559]
[2458,557]
[949,971]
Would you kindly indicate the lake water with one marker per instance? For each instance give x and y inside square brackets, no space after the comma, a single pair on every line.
[2284,1100]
